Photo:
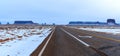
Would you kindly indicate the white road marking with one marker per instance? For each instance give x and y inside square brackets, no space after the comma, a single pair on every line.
[41,52]
[76,38]
[85,36]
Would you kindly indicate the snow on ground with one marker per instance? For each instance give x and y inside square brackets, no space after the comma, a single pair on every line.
[106,30]
[21,46]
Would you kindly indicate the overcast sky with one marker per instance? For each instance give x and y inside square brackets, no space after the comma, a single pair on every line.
[59,11]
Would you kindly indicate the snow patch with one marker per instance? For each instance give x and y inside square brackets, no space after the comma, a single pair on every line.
[106,30]
[22,46]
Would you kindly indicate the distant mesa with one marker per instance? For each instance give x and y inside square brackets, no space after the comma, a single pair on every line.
[85,23]
[109,22]
[23,22]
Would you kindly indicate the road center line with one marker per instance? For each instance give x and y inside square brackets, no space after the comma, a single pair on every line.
[41,52]
[76,38]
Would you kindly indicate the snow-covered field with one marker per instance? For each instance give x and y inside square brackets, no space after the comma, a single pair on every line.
[21,42]
[106,30]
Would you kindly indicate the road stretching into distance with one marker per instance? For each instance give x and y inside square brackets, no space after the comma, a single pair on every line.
[67,41]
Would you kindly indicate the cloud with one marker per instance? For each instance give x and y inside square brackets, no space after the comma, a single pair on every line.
[59,9]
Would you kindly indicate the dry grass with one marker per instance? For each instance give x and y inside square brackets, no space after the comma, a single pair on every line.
[30,30]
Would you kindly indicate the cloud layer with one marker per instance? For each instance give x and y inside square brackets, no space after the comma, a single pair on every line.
[59,11]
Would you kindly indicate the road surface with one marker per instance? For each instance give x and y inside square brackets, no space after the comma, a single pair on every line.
[66,41]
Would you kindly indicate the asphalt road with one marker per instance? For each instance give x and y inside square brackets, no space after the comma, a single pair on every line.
[66,41]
